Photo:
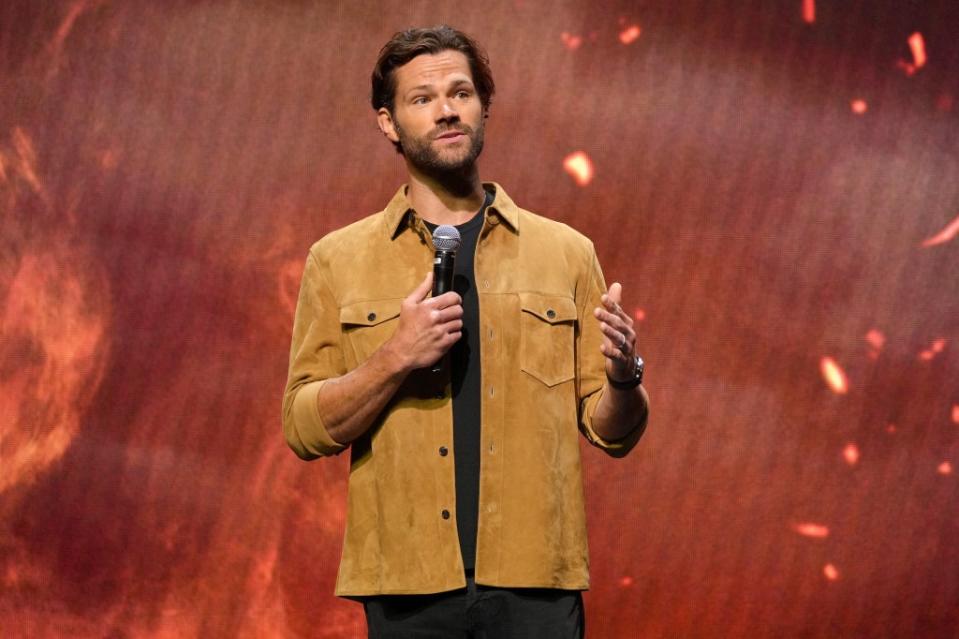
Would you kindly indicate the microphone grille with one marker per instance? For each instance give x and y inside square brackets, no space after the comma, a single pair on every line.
[446,238]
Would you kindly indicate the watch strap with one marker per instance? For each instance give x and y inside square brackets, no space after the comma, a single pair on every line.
[629,384]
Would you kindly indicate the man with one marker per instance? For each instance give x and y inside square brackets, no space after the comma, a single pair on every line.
[465,509]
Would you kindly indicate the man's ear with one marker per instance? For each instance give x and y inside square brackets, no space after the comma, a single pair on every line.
[384,119]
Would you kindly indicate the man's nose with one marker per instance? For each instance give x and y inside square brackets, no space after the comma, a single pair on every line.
[447,111]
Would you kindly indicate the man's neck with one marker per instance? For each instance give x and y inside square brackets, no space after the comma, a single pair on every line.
[446,201]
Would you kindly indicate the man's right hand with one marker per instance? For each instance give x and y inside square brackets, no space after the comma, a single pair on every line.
[428,327]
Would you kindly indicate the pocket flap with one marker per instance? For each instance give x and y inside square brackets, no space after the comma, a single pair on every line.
[370,313]
[549,308]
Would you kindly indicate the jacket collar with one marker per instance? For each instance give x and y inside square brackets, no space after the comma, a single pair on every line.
[399,215]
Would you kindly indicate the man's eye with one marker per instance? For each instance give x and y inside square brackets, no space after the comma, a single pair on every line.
[420,100]
[463,94]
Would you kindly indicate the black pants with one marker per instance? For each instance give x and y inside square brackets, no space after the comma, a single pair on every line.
[478,612]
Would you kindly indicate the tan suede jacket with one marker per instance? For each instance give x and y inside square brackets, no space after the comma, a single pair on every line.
[542,376]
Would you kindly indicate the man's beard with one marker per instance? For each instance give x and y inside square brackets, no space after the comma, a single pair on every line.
[421,153]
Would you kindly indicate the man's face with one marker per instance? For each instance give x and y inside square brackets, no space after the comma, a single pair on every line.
[437,117]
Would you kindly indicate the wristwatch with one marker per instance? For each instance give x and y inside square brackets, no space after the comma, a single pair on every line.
[630,384]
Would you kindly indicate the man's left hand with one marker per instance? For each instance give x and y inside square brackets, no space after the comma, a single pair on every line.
[619,338]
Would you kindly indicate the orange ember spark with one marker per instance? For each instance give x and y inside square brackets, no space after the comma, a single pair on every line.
[570,41]
[834,375]
[890,428]
[875,338]
[943,236]
[945,468]
[918,47]
[851,454]
[580,167]
[809,11]
[639,315]
[809,529]
[876,341]
[630,34]
[831,572]
[910,69]
[858,106]
[626,582]
[955,413]
[934,349]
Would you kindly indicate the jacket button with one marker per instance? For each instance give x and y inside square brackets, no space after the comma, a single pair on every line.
[371,317]
[445,513]
[444,451]
[550,313]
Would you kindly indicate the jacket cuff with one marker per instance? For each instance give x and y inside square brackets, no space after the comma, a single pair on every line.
[309,425]
[613,447]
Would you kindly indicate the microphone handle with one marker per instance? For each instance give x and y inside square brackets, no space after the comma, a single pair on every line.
[442,282]
[443,272]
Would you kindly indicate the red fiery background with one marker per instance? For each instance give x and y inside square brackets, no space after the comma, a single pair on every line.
[775,183]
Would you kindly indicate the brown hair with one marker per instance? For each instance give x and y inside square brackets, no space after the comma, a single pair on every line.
[406,45]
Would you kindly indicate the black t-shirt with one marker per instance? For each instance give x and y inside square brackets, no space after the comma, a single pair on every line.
[466,382]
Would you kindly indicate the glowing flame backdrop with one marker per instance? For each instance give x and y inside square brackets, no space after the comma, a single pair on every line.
[775,183]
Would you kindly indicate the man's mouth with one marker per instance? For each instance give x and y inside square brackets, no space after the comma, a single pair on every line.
[450,135]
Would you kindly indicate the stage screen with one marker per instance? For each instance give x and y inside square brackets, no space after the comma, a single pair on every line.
[775,184]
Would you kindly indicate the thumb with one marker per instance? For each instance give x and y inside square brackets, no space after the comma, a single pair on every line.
[616,293]
[422,291]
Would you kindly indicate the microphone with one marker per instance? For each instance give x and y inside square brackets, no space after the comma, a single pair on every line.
[446,241]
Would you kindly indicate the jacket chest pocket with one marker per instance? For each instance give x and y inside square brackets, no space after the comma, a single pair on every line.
[368,325]
[547,325]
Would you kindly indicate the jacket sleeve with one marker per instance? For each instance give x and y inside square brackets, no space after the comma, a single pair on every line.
[315,355]
[591,363]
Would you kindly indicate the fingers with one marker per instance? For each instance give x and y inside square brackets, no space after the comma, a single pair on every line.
[449,298]
[443,315]
[616,326]
[614,317]
[453,330]
[612,311]
[619,338]
[616,344]
[445,335]
[613,353]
